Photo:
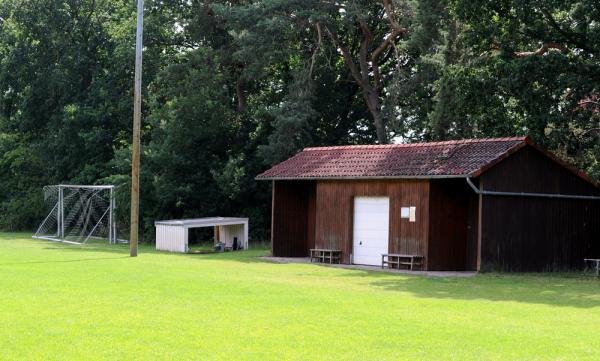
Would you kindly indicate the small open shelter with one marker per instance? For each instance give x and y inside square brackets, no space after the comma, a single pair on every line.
[172,235]
[502,204]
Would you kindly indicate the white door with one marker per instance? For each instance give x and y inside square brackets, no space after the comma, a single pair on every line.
[371,229]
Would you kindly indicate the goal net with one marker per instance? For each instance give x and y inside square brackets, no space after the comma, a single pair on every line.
[78,214]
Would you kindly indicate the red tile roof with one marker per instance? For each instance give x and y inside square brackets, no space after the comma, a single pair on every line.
[421,160]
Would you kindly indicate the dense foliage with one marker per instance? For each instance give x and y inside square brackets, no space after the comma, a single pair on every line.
[231,87]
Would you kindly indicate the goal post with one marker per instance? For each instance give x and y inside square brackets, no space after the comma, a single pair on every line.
[78,213]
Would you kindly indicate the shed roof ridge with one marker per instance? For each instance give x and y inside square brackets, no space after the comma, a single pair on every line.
[417,145]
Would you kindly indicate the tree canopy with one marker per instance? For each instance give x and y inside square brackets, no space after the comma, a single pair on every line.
[231,87]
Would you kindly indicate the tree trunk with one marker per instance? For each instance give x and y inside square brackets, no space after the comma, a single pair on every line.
[241,97]
[374,104]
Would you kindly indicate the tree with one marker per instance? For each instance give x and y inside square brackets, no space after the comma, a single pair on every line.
[66,71]
[530,65]
[379,26]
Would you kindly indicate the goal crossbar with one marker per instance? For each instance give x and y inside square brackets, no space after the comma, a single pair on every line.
[86,186]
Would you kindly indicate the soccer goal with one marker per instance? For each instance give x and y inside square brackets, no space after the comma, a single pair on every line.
[78,213]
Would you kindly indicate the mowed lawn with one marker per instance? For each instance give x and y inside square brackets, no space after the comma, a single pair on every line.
[65,302]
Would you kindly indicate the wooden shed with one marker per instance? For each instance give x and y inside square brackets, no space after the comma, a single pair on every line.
[501,204]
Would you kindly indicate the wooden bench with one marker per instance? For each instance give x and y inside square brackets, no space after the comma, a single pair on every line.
[399,261]
[325,255]
[595,262]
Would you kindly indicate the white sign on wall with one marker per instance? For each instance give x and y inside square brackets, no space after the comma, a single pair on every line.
[409,213]
[405,212]
[412,214]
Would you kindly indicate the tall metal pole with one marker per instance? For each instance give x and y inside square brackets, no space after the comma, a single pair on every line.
[137,115]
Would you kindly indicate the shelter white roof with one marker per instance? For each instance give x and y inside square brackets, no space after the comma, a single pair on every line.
[202,222]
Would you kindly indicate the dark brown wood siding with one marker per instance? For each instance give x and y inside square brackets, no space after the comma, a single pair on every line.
[537,234]
[335,210]
[293,222]
[528,170]
[449,226]
[473,232]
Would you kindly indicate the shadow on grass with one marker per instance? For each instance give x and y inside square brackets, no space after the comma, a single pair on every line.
[561,290]
[244,256]
[87,249]
[553,289]
[62,261]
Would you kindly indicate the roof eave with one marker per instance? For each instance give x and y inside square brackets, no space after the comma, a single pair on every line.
[441,176]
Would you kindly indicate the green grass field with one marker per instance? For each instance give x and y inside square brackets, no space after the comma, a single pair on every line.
[65,302]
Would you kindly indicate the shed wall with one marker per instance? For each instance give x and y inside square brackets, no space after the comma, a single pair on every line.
[293,218]
[335,208]
[537,234]
[451,226]
[528,170]
[171,238]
